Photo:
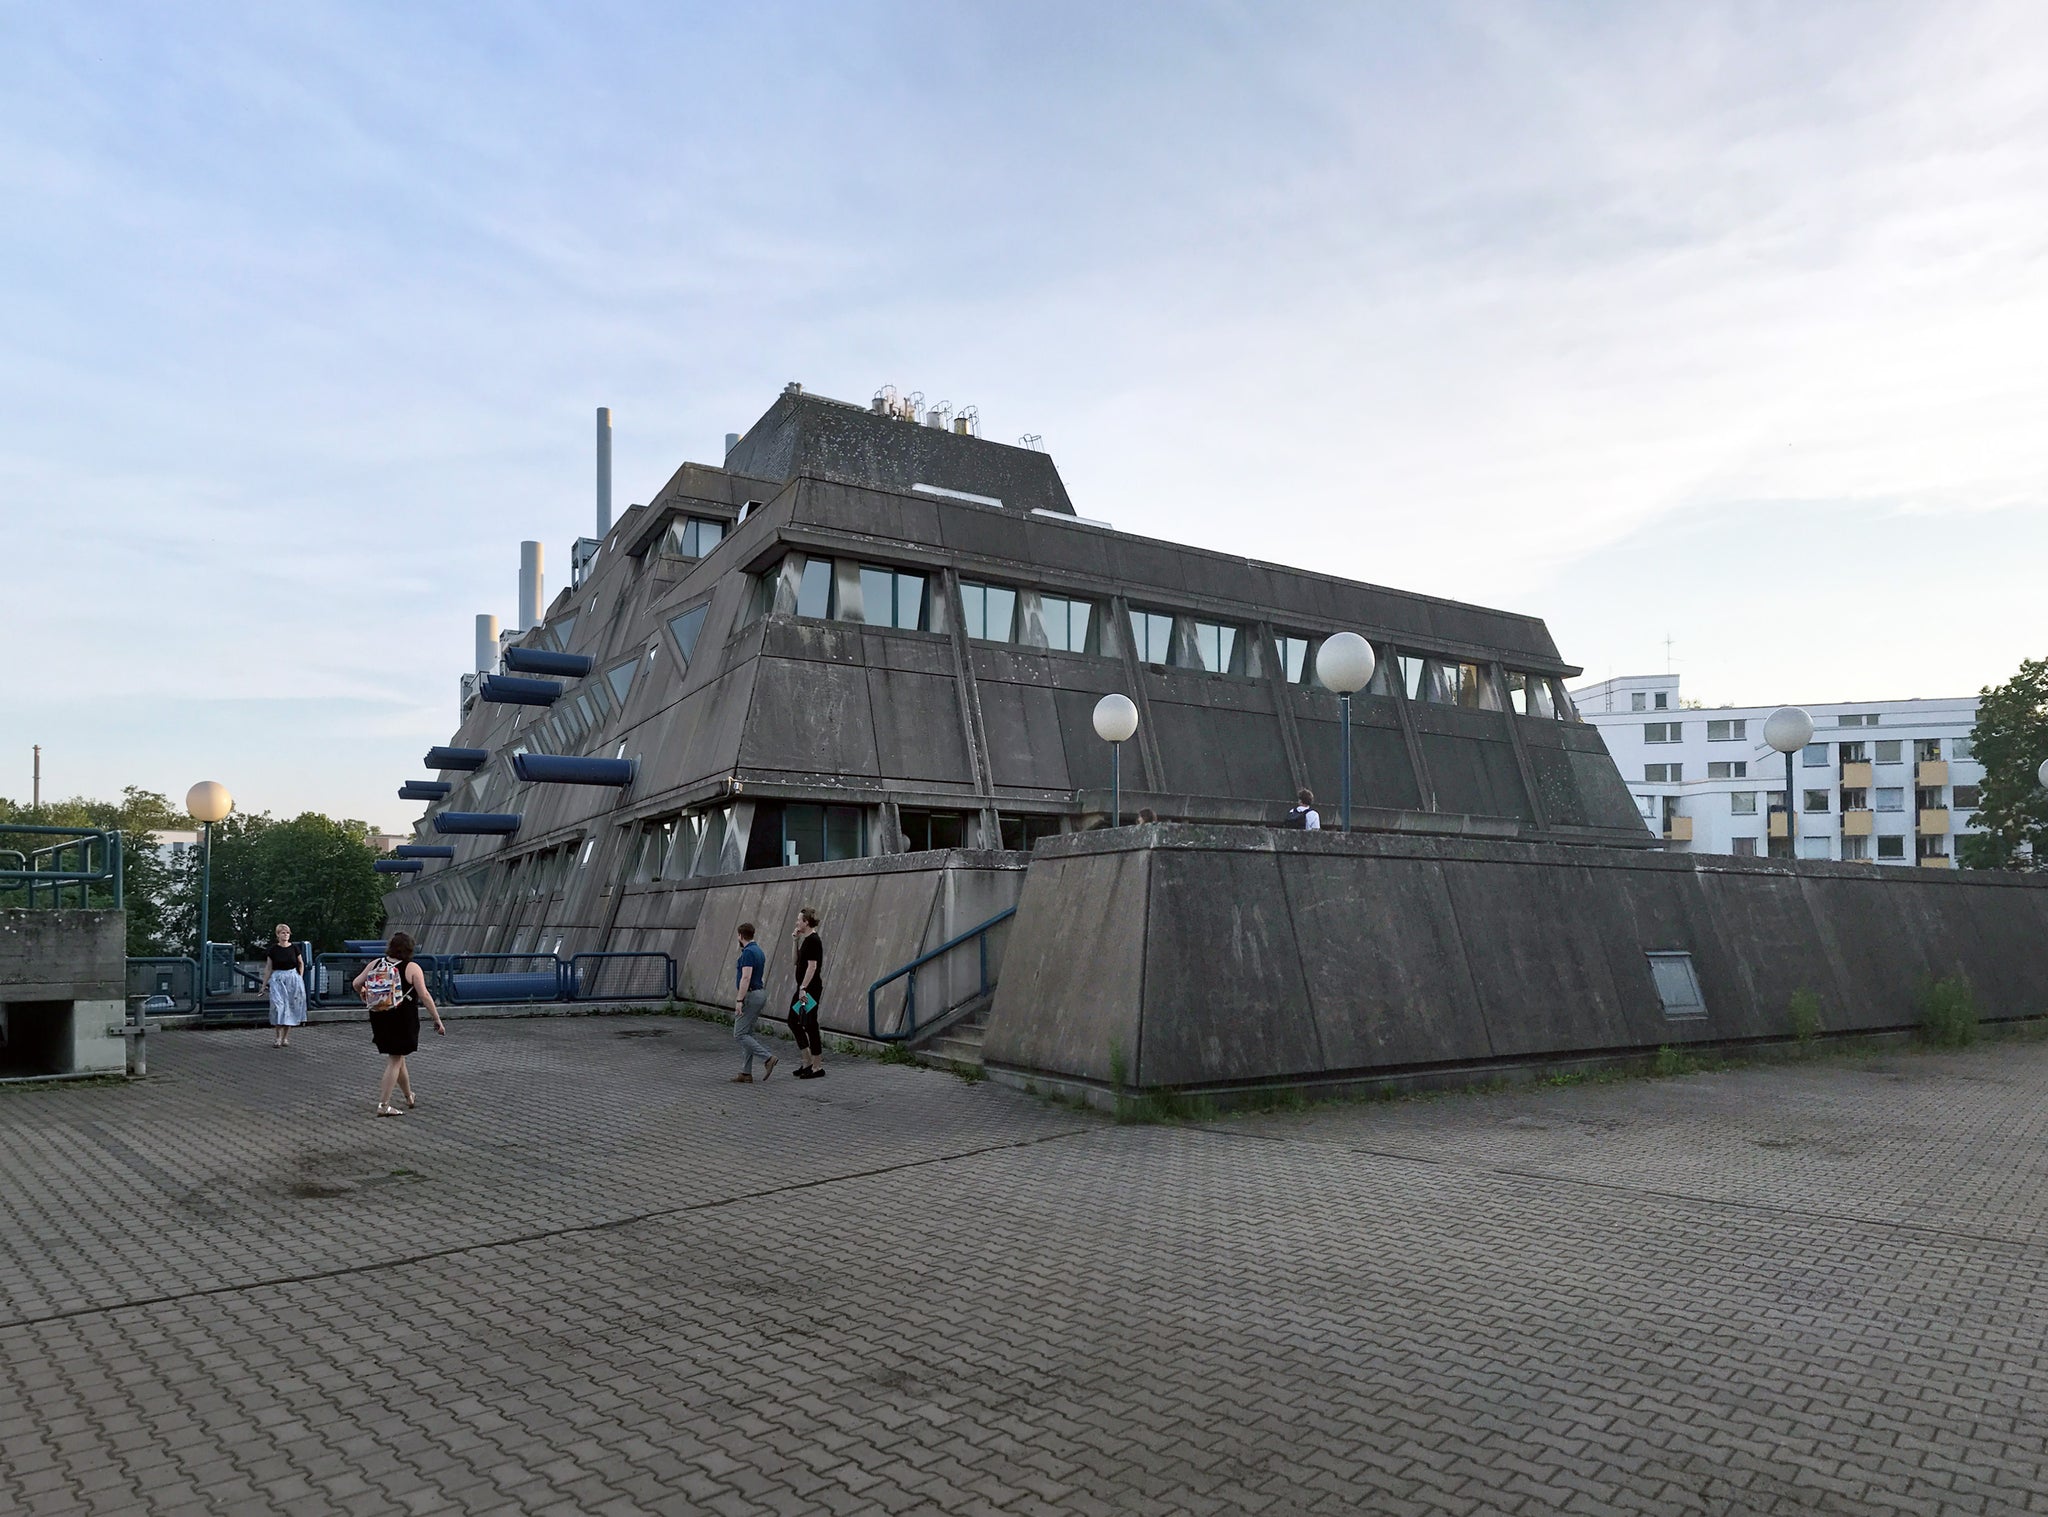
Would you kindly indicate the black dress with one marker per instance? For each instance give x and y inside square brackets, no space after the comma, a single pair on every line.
[397,1030]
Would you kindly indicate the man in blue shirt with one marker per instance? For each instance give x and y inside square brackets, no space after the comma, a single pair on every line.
[750,995]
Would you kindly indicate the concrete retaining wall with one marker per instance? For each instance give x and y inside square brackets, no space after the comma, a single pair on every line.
[1210,958]
[63,989]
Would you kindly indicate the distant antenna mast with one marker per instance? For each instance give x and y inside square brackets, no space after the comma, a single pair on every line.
[1032,441]
[36,795]
[1668,643]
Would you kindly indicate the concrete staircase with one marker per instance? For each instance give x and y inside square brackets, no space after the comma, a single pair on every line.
[955,1042]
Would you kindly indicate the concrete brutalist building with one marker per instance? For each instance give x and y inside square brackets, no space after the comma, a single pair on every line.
[868,636]
[856,668]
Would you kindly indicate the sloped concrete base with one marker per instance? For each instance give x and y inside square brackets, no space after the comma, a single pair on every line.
[1209,959]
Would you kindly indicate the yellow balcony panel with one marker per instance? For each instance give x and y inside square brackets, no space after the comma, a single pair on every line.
[1937,861]
[1930,772]
[1856,777]
[1777,824]
[1934,823]
[1678,829]
[1857,824]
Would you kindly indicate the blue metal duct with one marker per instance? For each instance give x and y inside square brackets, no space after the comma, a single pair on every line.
[423,851]
[508,690]
[545,661]
[398,866]
[566,769]
[424,790]
[497,823]
[457,758]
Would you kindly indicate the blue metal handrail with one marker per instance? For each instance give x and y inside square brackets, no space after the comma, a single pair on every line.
[45,868]
[576,988]
[909,1029]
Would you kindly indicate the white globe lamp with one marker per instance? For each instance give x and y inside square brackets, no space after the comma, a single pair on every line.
[207,802]
[1345,664]
[1788,729]
[1116,719]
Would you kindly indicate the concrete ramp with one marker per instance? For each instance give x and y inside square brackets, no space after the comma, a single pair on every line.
[1212,959]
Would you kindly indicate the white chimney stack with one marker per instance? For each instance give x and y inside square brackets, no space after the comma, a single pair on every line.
[604,471]
[529,586]
[732,440]
[486,644]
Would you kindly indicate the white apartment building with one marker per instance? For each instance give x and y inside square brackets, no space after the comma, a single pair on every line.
[1883,782]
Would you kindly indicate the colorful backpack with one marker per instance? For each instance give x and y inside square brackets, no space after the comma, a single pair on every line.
[383,984]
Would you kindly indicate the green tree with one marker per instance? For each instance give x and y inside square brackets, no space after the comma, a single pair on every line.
[2010,740]
[313,872]
[152,885]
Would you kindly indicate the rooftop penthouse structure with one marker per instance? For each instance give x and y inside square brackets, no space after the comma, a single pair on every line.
[873,632]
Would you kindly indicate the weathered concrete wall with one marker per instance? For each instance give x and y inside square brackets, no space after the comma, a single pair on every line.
[63,985]
[1217,957]
[877,914]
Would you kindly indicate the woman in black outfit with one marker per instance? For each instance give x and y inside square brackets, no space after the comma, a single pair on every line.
[396,1029]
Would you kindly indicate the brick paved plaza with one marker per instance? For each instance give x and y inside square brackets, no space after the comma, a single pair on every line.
[589,1276]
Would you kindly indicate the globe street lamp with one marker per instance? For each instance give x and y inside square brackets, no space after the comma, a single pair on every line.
[207,802]
[1116,718]
[1788,729]
[1344,664]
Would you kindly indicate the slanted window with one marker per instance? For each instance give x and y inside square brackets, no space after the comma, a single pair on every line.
[1151,636]
[991,611]
[1411,674]
[1067,623]
[1733,730]
[1529,695]
[1889,798]
[1814,755]
[1215,645]
[1678,988]
[684,630]
[924,831]
[814,589]
[1451,682]
[1742,803]
[620,678]
[892,598]
[1294,659]
[692,537]
[1728,769]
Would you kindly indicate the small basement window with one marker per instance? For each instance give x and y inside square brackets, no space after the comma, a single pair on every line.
[1678,988]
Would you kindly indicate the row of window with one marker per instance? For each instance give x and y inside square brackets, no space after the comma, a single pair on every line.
[1853,848]
[1881,798]
[1816,755]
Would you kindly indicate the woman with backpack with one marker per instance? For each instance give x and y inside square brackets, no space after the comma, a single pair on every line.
[394,987]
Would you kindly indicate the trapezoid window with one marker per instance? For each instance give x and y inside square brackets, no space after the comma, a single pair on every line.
[1151,636]
[1451,682]
[893,598]
[991,611]
[692,537]
[1067,623]
[685,629]
[1215,647]
[1678,988]
[1530,695]
[1294,662]
[814,589]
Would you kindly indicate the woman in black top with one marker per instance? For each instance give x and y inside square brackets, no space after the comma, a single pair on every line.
[810,988]
[285,985]
[396,1029]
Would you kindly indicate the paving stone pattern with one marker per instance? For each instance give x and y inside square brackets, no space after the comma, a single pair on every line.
[589,1276]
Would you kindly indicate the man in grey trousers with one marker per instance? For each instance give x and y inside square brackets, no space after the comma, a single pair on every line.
[750,995]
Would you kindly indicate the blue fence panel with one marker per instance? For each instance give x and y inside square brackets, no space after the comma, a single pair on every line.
[486,977]
[174,977]
[619,977]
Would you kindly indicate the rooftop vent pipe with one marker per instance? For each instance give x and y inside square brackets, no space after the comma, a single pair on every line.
[486,644]
[529,586]
[732,440]
[604,471]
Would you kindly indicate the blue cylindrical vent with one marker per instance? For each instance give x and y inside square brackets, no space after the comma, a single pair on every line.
[499,823]
[543,661]
[457,758]
[565,769]
[508,690]
[424,790]
[423,851]
[398,866]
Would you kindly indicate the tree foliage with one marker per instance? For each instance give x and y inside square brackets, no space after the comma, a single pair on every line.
[312,872]
[2010,741]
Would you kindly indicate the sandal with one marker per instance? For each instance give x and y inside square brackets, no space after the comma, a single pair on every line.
[390,1111]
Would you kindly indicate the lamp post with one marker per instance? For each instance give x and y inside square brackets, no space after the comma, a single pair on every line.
[1116,718]
[1344,664]
[1788,729]
[207,802]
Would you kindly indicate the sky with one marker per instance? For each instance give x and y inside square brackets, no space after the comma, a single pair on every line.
[1722,324]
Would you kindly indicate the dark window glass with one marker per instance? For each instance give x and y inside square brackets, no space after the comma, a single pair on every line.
[991,611]
[620,678]
[814,594]
[1152,636]
[685,628]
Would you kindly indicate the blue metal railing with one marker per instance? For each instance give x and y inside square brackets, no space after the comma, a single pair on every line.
[500,978]
[177,978]
[908,1030]
[85,857]
[622,976]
